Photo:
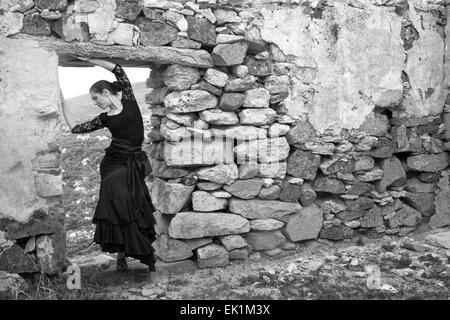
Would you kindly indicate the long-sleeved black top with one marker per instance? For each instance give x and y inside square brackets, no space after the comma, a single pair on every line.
[126,125]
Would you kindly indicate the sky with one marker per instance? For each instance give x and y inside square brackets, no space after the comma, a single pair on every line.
[77,81]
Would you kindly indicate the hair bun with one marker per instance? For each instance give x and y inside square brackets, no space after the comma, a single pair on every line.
[117,85]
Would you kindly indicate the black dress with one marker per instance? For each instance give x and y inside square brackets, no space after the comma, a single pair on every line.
[124,212]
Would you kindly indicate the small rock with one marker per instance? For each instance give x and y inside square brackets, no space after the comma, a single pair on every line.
[178,77]
[231,101]
[256,98]
[229,54]
[255,256]
[201,30]
[216,77]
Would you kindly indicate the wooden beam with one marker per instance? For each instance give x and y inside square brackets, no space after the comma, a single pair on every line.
[127,56]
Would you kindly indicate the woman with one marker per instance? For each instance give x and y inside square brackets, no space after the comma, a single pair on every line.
[124,212]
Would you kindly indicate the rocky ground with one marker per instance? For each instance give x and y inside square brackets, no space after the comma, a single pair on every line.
[382,268]
[386,267]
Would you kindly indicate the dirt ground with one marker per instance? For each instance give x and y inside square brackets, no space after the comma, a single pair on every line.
[383,268]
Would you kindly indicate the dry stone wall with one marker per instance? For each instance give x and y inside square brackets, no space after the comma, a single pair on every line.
[273,122]
[300,130]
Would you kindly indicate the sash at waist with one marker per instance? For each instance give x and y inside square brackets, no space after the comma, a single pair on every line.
[136,159]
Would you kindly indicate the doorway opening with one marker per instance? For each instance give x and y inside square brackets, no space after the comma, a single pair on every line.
[81,154]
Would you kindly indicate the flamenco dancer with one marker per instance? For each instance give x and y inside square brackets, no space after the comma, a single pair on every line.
[124,213]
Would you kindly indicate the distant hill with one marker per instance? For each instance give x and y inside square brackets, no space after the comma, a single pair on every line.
[83,108]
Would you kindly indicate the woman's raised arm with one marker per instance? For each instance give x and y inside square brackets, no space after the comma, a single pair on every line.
[122,78]
[99,62]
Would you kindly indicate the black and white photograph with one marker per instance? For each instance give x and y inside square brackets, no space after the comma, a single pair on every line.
[224,158]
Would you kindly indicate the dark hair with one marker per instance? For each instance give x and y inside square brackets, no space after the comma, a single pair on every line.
[112,87]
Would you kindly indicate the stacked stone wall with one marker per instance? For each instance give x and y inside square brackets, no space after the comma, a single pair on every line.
[273,122]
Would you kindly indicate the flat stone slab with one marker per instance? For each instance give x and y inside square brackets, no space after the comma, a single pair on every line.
[441,239]
[190,101]
[266,224]
[190,225]
[245,189]
[262,209]
[428,162]
[124,54]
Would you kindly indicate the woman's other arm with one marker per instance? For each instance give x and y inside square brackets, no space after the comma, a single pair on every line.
[89,126]
[67,114]
[84,127]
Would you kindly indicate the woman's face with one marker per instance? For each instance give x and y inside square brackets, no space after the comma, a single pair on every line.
[101,100]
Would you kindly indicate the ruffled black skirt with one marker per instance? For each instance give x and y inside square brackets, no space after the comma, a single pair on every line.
[124,213]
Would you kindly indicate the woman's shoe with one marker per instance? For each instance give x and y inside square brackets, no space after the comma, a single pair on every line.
[121,262]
